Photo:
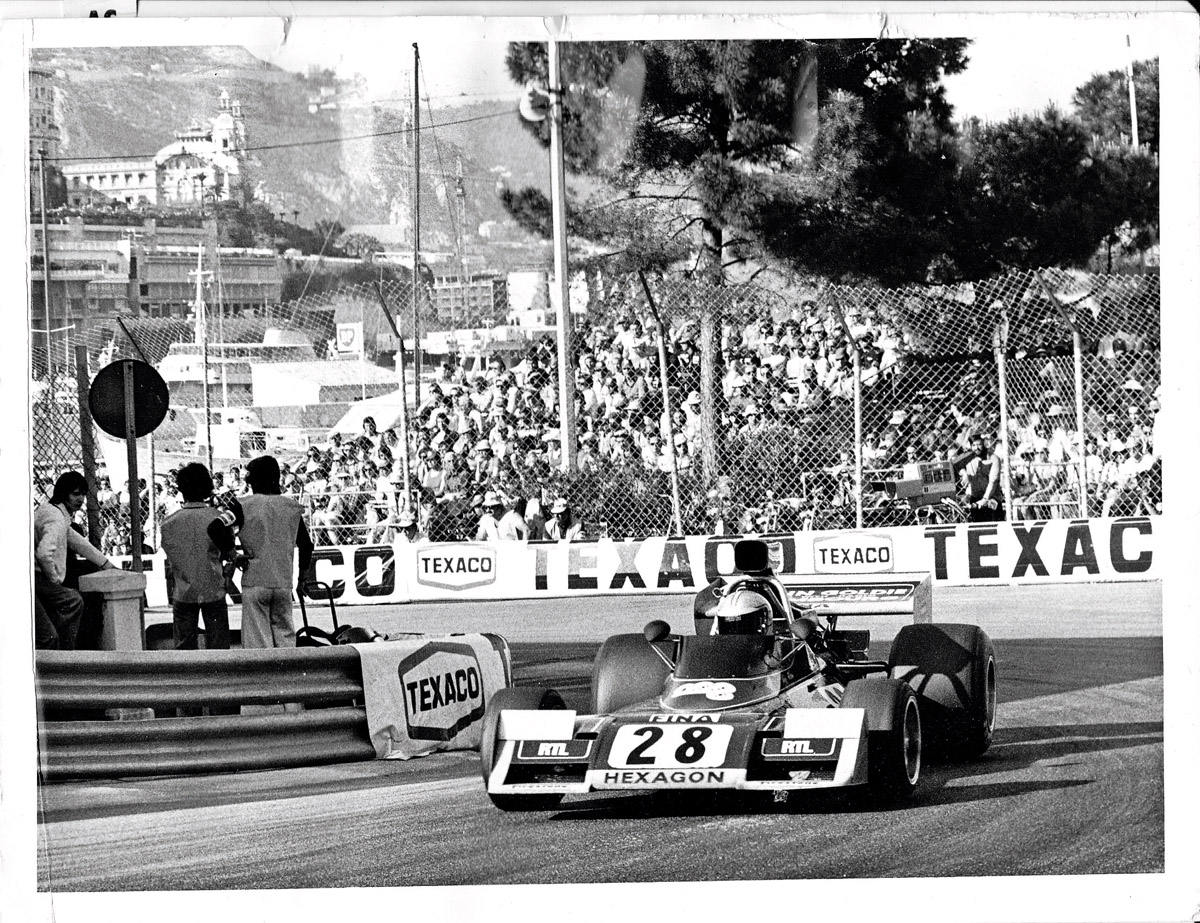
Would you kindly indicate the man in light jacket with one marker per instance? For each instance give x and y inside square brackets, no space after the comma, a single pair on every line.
[272,531]
[58,609]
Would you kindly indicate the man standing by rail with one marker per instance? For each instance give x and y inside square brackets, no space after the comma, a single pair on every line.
[272,531]
[58,609]
[195,538]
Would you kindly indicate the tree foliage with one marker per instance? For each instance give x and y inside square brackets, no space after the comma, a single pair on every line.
[1037,192]
[1102,104]
[702,138]
[685,149]
[359,245]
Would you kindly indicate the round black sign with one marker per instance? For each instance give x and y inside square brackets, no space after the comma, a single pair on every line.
[106,398]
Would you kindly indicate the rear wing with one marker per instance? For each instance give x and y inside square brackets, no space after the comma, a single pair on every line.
[863,594]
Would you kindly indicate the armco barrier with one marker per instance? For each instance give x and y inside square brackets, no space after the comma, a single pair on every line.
[174,746]
[335,730]
[399,699]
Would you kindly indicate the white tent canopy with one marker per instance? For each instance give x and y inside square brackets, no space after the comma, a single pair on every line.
[386,409]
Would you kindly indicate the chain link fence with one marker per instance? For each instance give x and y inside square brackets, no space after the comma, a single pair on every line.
[821,408]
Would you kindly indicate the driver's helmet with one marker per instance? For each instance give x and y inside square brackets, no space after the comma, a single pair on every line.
[743,612]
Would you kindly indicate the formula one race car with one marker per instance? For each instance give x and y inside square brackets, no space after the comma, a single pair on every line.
[766,696]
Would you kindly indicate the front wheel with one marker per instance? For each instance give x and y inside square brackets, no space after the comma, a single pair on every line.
[521,698]
[894,738]
[952,667]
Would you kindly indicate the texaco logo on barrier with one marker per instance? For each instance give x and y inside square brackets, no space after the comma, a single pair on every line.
[460,566]
[443,690]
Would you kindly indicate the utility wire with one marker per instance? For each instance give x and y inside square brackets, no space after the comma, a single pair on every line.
[295,144]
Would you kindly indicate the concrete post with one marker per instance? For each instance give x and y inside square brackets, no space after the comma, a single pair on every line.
[124,624]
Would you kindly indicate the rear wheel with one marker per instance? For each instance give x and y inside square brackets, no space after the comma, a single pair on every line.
[626,671]
[521,698]
[894,739]
[952,668]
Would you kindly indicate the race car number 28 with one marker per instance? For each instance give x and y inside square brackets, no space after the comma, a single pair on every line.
[643,745]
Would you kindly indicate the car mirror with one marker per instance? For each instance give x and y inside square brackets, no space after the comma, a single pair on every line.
[656,630]
[804,629]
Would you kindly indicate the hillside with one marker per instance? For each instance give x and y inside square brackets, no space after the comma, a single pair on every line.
[131,100]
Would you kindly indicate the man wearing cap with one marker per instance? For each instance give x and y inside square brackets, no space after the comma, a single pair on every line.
[980,479]
[272,532]
[562,527]
[488,529]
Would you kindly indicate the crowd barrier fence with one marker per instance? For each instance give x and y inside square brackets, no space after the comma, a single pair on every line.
[1035,357]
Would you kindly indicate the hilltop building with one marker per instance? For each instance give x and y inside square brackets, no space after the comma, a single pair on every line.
[202,163]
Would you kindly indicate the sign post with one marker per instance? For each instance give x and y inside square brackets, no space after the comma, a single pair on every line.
[128,399]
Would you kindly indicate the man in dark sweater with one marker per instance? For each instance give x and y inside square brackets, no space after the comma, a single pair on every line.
[196,538]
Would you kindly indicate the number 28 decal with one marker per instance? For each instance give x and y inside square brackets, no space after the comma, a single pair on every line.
[680,746]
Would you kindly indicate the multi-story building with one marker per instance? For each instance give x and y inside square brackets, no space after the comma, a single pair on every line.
[43,134]
[145,267]
[481,297]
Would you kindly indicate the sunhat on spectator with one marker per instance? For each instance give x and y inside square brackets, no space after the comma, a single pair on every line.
[491,500]
[693,397]
[406,519]
[551,435]
[1117,446]
[680,439]
[1132,385]
[897,418]
[1056,410]
[560,506]
[751,409]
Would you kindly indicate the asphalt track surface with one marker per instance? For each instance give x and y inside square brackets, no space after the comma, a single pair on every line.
[1073,783]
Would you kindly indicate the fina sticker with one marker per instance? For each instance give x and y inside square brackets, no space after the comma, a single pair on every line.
[853,553]
[460,566]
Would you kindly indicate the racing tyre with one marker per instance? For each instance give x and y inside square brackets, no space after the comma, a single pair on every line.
[952,668]
[521,698]
[894,741]
[626,671]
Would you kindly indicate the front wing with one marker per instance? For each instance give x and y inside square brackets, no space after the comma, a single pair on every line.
[562,752]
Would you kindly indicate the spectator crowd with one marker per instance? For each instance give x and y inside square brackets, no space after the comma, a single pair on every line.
[484,448]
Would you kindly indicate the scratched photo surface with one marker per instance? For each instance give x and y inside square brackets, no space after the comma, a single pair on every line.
[296,226]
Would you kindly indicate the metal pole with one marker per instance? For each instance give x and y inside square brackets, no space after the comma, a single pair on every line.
[45,265]
[1077,349]
[858,440]
[416,229]
[1000,346]
[220,318]
[858,453]
[202,325]
[676,508]
[387,315]
[1133,121]
[87,444]
[558,200]
[135,503]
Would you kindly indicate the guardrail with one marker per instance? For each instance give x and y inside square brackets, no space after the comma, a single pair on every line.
[73,686]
